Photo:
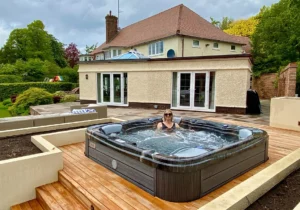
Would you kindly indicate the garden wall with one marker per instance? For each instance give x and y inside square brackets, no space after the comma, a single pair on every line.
[265,84]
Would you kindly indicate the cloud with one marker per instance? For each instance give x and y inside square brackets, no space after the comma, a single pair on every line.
[83,21]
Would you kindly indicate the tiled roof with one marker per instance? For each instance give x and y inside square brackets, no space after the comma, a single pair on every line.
[178,20]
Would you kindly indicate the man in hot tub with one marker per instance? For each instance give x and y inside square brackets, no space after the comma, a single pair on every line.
[167,124]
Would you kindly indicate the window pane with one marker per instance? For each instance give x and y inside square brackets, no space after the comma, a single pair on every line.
[125,88]
[212,90]
[149,48]
[174,90]
[119,52]
[99,87]
[232,47]
[153,49]
[196,43]
[114,53]
[216,45]
[161,49]
[156,47]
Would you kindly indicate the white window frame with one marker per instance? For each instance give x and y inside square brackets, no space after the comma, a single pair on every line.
[215,47]
[154,48]
[196,46]
[232,49]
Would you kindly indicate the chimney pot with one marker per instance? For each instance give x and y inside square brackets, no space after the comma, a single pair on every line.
[109,12]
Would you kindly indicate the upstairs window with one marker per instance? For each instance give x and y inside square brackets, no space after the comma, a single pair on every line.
[216,45]
[196,43]
[232,48]
[116,52]
[156,48]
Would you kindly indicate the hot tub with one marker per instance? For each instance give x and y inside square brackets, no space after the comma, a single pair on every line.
[180,166]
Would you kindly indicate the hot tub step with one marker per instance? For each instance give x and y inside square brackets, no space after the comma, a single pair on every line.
[56,197]
[81,194]
[33,205]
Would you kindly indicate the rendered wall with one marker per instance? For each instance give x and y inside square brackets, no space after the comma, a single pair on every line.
[151,81]
[202,50]
[175,43]
[285,113]
[231,88]
[88,87]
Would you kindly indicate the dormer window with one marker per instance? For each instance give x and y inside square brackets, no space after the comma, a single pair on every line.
[156,48]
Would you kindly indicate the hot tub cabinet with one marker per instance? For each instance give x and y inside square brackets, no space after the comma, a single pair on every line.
[172,178]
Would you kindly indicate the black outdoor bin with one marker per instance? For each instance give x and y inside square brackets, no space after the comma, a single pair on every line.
[253,103]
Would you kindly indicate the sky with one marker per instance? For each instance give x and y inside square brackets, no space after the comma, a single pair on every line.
[83,21]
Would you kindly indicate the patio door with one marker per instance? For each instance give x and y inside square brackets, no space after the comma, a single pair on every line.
[112,89]
[193,90]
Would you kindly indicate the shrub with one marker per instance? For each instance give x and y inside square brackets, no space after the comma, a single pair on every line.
[10,79]
[61,94]
[69,98]
[69,74]
[7,102]
[30,97]
[8,89]
[56,99]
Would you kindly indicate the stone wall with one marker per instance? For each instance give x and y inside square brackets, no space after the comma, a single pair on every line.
[264,85]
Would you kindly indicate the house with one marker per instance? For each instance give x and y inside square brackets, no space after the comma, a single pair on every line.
[188,64]
[176,32]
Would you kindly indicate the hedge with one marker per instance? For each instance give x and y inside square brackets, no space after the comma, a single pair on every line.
[9,89]
[10,79]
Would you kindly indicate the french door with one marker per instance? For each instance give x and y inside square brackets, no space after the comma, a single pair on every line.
[193,90]
[112,88]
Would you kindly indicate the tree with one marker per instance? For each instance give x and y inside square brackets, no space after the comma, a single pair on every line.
[72,54]
[89,49]
[242,27]
[214,22]
[58,51]
[226,22]
[276,40]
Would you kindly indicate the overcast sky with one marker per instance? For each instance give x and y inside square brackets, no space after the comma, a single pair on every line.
[83,21]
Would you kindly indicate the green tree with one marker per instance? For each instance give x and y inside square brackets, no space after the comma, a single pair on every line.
[89,49]
[214,22]
[39,42]
[58,51]
[226,23]
[276,40]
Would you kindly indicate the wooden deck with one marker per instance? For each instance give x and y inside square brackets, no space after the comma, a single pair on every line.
[83,182]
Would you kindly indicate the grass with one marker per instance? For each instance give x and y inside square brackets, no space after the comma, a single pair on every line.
[3,111]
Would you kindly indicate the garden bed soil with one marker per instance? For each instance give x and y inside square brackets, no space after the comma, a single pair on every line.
[284,196]
[18,146]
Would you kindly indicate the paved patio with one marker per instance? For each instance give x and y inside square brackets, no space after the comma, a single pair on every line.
[130,114]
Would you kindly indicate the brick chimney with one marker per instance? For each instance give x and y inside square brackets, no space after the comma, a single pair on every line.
[111,27]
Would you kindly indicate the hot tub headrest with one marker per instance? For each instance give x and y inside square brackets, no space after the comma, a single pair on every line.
[177,120]
[245,134]
[113,128]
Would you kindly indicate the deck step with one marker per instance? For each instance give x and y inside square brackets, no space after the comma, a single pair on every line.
[89,201]
[56,197]
[30,205]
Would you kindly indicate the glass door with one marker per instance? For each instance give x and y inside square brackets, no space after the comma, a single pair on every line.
[112,88]
[193,90]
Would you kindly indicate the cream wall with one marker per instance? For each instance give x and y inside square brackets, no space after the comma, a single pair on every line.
[88,87]
[231,88]
[285,113]
[202,50]
[149,87]
[169,43]
[175,43]
[151,81]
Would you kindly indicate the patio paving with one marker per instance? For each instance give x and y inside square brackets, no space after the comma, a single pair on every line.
[130,113]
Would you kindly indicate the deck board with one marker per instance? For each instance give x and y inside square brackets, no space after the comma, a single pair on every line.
[281,143]
[110,191]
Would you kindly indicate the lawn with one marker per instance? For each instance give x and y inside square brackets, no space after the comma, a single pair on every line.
[3,111]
